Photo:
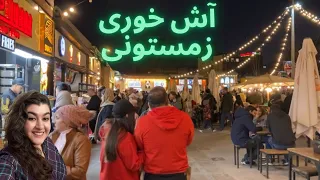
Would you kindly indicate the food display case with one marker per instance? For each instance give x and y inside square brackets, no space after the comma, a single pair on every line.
[9,72]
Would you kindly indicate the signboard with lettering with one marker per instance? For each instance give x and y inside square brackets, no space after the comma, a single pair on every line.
[46,35]
[128,26]
[14,19]
[67,51]
[7,43]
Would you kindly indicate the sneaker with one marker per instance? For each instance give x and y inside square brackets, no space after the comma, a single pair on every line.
[214,130]
[201,131]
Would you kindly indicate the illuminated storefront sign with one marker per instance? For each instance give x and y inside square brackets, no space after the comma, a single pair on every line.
[14,19]
[68,52]
[7,43]
[139,24]
[46,35]
[62,46]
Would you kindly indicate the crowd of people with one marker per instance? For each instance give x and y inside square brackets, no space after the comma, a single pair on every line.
[53,143]
[141,133]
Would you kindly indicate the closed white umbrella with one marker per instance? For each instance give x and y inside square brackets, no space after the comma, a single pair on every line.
[213,85]
[305,105]
[196,90]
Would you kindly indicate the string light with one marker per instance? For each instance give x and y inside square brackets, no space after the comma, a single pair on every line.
[313,18]
[268,39]
[283,47]
[246,45]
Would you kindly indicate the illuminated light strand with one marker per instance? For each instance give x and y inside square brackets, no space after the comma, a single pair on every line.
[267,40]
[313,18]
[246,45]
[283,46]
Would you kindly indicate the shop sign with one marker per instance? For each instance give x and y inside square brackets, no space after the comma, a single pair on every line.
[46,35]
[134,84]
[134,26]
[7,43]
[14,19]
[62,46]
[68,52]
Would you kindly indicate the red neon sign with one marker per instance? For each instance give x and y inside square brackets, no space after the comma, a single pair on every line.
[14,18]
[246,54]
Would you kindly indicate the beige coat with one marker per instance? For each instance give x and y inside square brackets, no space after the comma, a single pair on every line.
[76,154]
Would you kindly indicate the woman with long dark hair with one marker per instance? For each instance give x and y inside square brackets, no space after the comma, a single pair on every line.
[30,154]
[119,154]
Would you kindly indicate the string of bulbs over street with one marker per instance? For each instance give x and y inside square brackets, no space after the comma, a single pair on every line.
[72,8]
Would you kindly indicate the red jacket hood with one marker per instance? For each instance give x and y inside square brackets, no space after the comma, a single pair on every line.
[167,118]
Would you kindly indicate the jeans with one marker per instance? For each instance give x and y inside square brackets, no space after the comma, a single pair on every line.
[179,176]
[207,123]
[225,115]
[271,145]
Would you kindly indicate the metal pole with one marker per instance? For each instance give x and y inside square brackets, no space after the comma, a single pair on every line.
[293,41]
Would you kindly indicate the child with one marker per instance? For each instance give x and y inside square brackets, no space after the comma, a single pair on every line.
[119,154]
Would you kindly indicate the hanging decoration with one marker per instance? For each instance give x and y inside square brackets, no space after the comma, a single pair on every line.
[283,46]
[246,45]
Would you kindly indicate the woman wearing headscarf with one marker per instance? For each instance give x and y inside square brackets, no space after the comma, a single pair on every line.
[30,154]
[119,156]
[73,144]
[63,97]
[105,112]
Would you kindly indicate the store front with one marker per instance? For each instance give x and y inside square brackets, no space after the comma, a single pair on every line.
[94,68]
[228,80]
[143,83]
[180,84]
[25,50]
[70,65]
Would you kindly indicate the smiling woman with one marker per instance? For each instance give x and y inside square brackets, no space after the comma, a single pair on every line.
[29,148]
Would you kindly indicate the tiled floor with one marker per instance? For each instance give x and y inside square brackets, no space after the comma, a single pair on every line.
[211,158]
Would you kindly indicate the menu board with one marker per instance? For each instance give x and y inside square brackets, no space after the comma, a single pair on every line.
[134,84]
[159,83]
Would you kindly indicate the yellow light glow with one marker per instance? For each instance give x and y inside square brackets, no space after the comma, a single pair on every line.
[66,14]
[71,9]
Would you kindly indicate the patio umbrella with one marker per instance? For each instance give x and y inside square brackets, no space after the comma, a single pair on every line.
[196,90]
[172,86]
[213,85]
[266,80]
[305,104]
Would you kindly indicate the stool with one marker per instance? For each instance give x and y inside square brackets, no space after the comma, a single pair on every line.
[305,171]
[236,149]
[268,153]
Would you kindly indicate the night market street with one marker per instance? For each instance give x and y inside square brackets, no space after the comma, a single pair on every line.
[211,158]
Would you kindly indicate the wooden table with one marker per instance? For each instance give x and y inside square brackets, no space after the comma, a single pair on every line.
[263,133]
[308,154]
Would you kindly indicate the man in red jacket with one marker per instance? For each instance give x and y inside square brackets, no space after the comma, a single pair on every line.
[163,135]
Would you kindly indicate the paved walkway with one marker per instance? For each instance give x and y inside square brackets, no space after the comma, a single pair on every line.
[211,158]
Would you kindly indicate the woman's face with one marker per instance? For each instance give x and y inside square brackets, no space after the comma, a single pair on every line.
[37,126]
[60,124]
[259,112]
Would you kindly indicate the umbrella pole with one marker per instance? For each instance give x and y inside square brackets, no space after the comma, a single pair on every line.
[268,96]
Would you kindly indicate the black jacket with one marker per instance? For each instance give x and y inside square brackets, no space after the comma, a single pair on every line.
[212,101]
[227,103]
[279,124]
[241,127]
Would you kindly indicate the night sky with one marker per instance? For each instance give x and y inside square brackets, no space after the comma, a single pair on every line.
[237,22]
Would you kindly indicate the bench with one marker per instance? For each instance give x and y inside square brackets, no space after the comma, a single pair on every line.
[268,153]
[236,149]
[305,171]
